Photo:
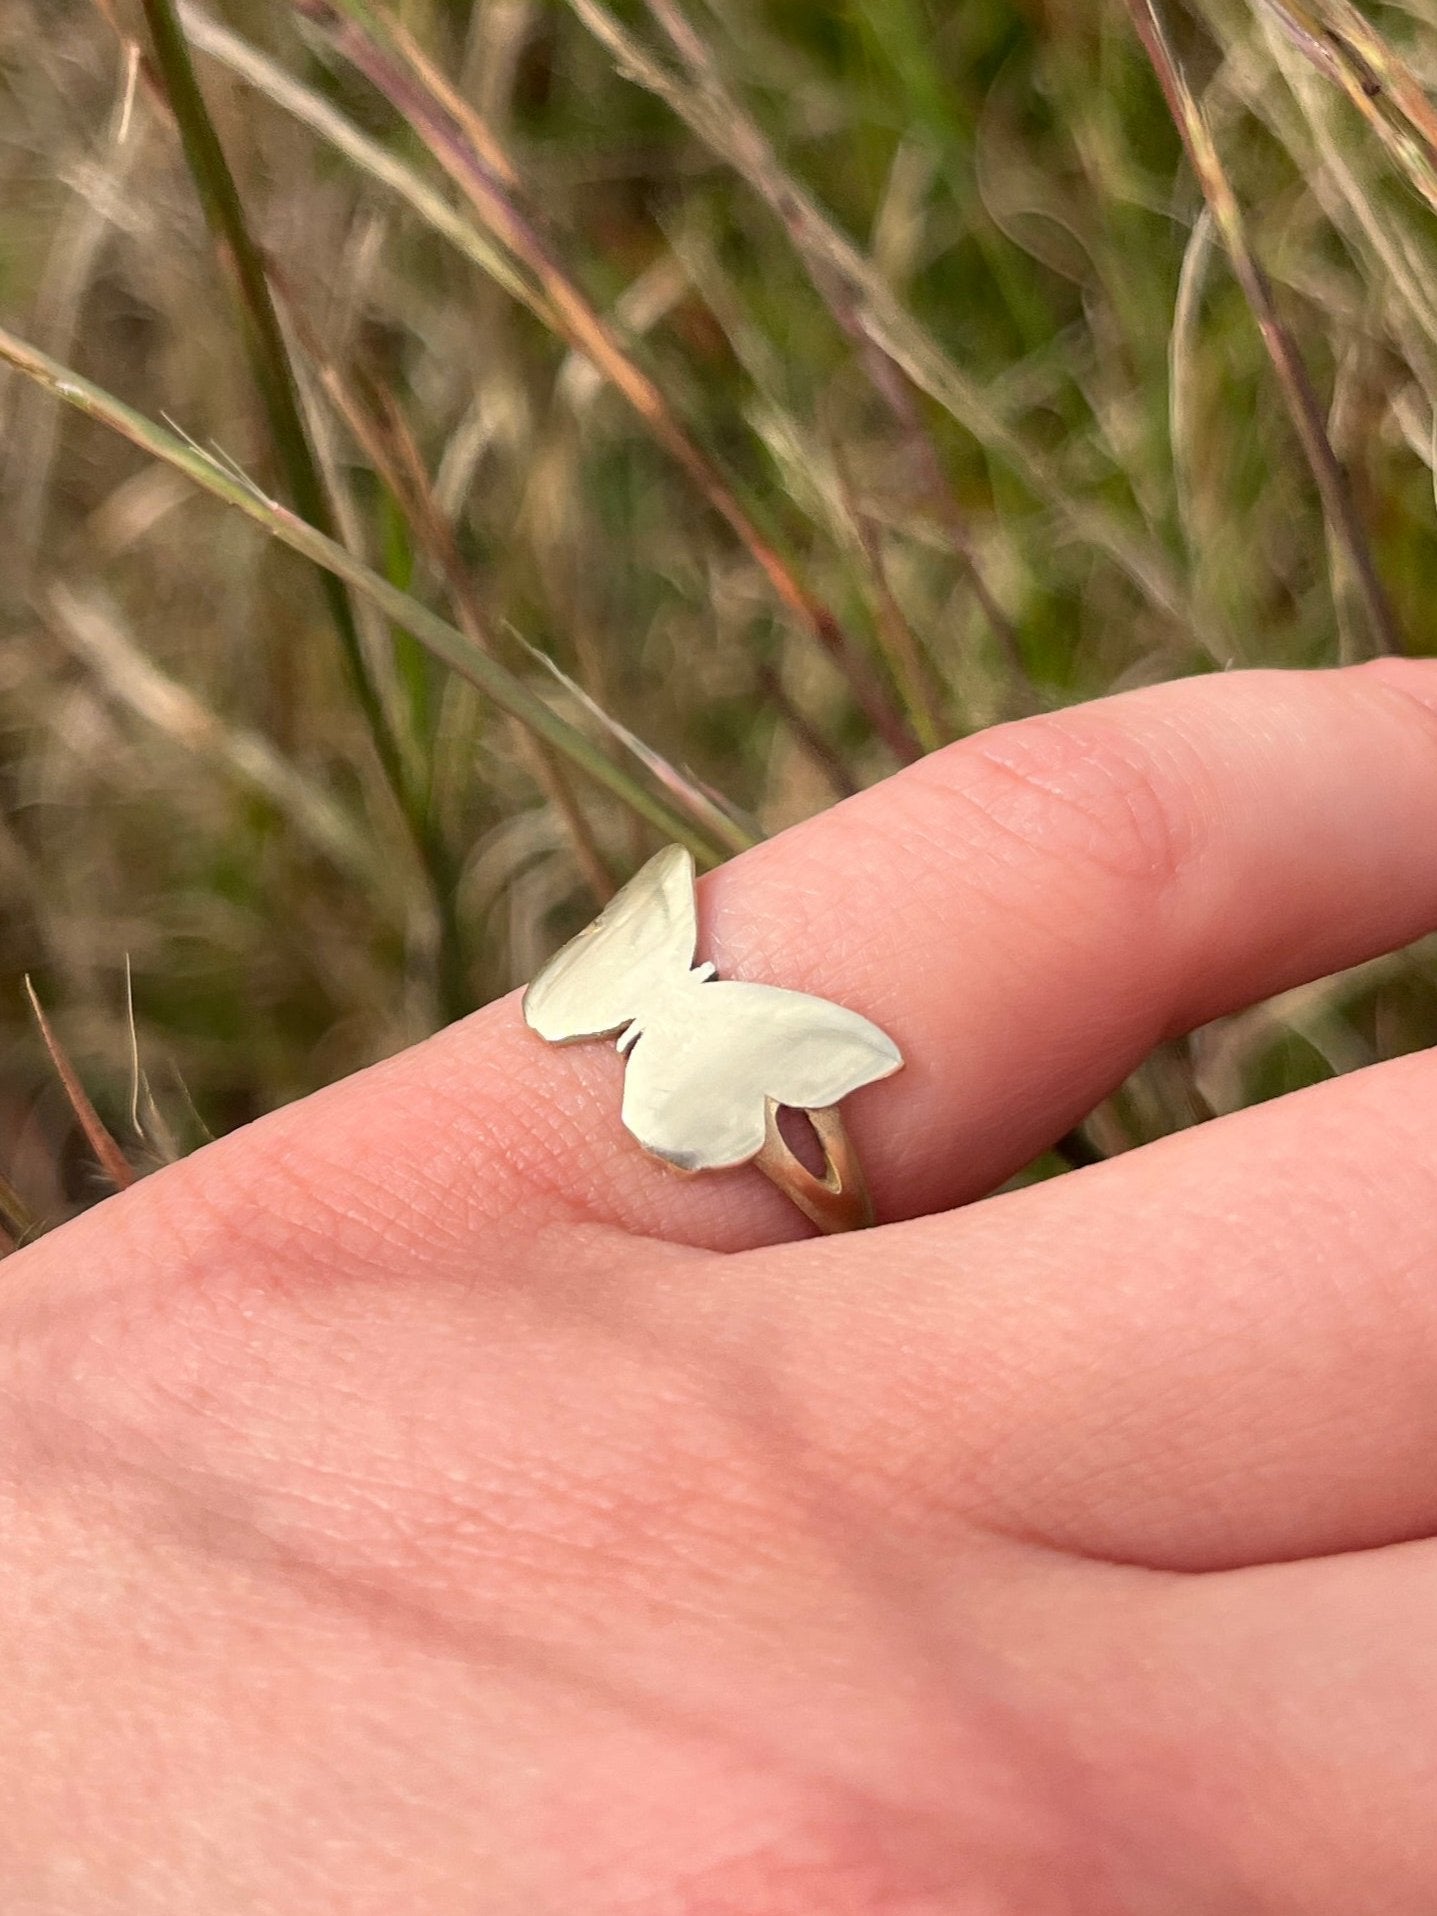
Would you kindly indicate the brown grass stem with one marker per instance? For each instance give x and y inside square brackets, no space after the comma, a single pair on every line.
[493,197]
[275,378]
[111,1158]
[445,641]
[379,427]
[1350,51]
[91,628]
[17,1220]
[1287,362]
[719,119]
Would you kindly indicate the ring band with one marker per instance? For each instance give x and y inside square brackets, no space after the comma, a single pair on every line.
[710,1063]
[839,1200]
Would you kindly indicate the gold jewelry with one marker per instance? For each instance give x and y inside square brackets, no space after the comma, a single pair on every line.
[711,1064]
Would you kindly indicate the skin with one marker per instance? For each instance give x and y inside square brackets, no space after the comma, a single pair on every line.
[420,1501]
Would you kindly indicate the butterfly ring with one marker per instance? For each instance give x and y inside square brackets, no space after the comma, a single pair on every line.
[709,1064]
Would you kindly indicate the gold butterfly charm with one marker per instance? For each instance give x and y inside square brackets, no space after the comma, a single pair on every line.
[710,1063]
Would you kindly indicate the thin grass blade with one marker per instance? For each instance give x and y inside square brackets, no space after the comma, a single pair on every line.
[111,1158]
[718,118]
[1292,375]
[441,638]
[279,390]
[363,37]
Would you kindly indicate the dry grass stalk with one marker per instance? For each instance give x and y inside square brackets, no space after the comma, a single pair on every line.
[1350,50]
[17,1221]
[92,628]
[719,119]
[379,427]
[1292,375]
[111,1158]
[279,390]
[374,160]
[911,671]
[441,638]
[711,812]
[492,195]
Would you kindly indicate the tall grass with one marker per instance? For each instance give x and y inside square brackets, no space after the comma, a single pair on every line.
[693,413]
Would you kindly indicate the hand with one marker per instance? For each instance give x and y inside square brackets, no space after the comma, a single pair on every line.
[422,1502]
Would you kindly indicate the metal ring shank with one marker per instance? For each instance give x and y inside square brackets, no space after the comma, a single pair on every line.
[839,1200]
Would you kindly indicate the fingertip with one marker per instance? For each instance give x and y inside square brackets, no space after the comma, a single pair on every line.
[1417,678]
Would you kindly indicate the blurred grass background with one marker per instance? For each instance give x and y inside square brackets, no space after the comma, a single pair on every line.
[772,390]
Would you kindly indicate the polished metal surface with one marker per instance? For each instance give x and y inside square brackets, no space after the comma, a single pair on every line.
[709,1062]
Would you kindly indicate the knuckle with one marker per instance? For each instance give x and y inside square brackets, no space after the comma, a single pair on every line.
[1090,794]
[1390,683]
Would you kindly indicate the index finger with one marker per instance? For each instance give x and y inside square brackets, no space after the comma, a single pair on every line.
[1026,913]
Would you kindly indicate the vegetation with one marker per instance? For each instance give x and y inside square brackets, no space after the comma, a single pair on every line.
[449,445]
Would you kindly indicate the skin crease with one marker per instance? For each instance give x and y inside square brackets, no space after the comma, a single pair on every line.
[421,1501]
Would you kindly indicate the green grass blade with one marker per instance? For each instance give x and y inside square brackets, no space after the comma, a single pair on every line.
[372,159]
[1293,380]
[445,641]
[364,38]
[279,391]
[718,118]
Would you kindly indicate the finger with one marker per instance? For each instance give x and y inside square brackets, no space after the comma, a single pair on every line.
[1256,1743]
[1218,1350]
[1292,1733]
[1026,913]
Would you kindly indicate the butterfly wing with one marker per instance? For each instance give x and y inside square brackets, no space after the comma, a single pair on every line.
[639,947]
[698,1079]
